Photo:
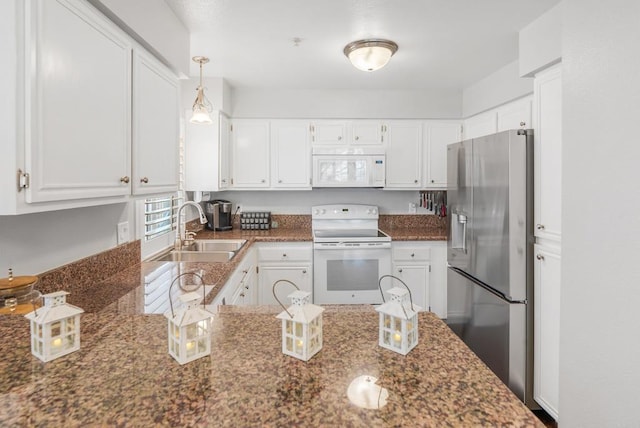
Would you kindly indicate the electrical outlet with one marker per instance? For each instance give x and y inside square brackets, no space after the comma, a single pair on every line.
[412,208]
[123,232]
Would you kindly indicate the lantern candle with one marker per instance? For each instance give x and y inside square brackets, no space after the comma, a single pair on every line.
[398,330]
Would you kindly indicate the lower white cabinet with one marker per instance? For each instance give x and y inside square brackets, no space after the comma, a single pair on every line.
[546,330]
[292,261]
[240,288]
[422,266]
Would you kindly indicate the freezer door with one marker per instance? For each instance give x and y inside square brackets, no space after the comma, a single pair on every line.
[494,329]
[459,200]
[501,213]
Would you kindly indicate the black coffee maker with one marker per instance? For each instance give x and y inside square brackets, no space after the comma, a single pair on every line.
[219,215]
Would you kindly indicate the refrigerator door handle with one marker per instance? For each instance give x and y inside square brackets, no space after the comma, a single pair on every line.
[462,219]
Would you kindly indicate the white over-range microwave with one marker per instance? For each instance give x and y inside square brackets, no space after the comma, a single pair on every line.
[349,167]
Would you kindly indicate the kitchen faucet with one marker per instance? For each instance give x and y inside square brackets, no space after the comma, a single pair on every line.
[180,235]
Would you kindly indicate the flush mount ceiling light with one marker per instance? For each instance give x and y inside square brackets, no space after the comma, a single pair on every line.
[370,54]
[201,106]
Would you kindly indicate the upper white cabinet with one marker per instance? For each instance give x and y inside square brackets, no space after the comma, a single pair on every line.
[515,115]
[404,154]
[367,132]
[548,153]
[77,103]
[290,155]
[206,154]
[480,124]
[437,135]
[155,126]
[347,132]
[250,153]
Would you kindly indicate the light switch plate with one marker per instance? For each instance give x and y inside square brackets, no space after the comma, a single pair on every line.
[123,232]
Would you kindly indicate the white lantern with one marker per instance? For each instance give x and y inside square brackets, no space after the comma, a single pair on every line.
[301,325]
[189,330]
[55,327]
[398,329]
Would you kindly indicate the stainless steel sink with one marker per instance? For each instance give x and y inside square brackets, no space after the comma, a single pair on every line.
[215,245]
[196,256]
[205,250]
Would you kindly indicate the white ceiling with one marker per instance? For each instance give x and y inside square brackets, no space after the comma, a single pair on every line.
[446,44]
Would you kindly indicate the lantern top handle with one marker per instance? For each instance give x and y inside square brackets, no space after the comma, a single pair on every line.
[173,315]
[273,290]
[398,279]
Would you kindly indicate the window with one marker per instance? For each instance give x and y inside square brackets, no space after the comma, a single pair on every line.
[160,215]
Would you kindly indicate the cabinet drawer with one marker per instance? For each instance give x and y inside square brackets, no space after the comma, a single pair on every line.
[283,254]
[411,254]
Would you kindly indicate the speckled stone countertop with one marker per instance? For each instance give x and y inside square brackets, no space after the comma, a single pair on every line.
[123,376]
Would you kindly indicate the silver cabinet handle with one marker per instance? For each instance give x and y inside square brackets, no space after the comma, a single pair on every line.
[144,180]
[523,123]
[124,179]
[540,257]
[304,271]
[540,226]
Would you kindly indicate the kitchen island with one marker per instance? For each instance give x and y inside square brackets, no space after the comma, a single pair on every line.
[123,376]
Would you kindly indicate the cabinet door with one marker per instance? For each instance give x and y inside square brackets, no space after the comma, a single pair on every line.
[366,132]
[546,335]
[155,126]
[250,154]
[438,135]
[515,115]
[480,125]
[404,154]
[78,103]
[248,289]
[290,154]
[300,275]
[329,132]
[417,279]
[224,177]
[548,154]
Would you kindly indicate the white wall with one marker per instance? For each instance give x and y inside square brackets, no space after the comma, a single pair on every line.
[300,202]
[600,321]
[500,87]
[419,104]
[34,243]
[163,33]
[540,42]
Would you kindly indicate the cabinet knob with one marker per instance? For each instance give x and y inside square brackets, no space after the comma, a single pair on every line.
[415,181]
[339,137]
[357,138]
[540,257]
[433,181]
[413,254]
[144,180]
[263,181]
[246,287]
[224,180]
[124,179]
[540,226]
[279,181]
[284,254]
[304,271]
[400,270]
[523,123]
[241,294]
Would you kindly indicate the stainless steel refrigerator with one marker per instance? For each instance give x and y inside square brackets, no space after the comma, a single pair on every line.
[490,246]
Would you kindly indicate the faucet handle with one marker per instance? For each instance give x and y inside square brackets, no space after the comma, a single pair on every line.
[189,236]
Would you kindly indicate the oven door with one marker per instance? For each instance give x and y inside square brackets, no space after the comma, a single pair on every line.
[347,273]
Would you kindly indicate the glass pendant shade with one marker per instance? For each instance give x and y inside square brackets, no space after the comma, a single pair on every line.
[201,106]
[370,55]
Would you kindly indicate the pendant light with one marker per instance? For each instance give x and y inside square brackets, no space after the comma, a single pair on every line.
[370,54]
[201,106]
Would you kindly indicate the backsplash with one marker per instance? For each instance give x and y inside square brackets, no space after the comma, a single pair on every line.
[82,274]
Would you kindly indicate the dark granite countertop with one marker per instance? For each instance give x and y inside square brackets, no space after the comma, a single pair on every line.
[123,376]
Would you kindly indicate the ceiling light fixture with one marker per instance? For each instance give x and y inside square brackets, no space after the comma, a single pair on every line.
[201,106]
[370,54]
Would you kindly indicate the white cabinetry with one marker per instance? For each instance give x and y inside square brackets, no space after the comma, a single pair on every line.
[437,135]
[480,124]
[68,108]
[206,154]
[240,289]
[347,132]
[250,154]
[284,260]
[546,344]
[515,115]
[155,126]
[327,132]
[367,132]
[548,208]
[290,155]
[404,154]
[548,153]
[422,266]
